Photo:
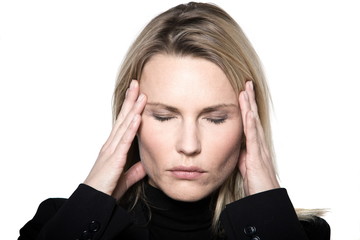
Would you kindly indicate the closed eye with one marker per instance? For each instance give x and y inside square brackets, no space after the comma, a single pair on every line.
[162,118]
[217,120]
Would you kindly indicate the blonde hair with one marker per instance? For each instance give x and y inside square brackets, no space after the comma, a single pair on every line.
[204,31]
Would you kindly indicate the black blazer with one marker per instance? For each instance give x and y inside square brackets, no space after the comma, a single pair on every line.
[91,214]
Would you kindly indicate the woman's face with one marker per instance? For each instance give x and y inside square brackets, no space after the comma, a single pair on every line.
[189,139]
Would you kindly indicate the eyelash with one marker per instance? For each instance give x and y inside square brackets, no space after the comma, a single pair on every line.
[212,120]
[162,119]
[216,120]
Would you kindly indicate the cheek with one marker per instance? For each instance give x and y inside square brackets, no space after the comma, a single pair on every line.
[153,145]
[225,148]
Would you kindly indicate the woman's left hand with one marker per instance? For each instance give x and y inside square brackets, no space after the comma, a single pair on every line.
[255,163]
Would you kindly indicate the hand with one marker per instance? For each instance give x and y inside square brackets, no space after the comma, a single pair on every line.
[255,163]
[107,174]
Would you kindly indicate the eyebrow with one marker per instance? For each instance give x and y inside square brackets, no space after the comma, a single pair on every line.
[205,110]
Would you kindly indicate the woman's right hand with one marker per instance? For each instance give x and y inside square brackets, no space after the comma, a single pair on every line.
[107,174]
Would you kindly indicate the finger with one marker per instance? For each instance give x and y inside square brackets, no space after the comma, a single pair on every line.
[133,175]
[253,144]
[256,147]
[244,106]
[130,99]
[137,108]
[249,88]
[124,144]
[254,108]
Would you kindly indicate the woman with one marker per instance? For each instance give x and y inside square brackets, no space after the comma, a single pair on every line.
[190,153]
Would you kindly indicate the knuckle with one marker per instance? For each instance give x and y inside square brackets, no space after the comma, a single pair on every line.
[121,116]
[104,149]
[126,139]
[104,154]
[252,139]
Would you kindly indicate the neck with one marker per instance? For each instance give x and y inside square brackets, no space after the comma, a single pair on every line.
[167,212]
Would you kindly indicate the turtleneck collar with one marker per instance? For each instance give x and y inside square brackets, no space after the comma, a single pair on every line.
[167,213]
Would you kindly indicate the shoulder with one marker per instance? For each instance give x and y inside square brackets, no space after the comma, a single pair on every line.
[87,212]
[316,228]
[48,208]
[51,204]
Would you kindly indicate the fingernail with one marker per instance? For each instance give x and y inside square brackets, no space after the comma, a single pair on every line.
[127,92]
[132,84]
[251,85]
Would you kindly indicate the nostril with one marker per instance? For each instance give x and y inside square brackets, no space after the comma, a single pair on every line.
[189,144]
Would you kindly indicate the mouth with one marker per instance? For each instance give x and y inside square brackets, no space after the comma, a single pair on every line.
[187,173]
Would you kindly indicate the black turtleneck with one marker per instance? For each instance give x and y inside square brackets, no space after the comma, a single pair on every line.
[270,213]
[171,219]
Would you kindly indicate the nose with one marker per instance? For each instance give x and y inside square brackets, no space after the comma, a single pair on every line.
[188,142]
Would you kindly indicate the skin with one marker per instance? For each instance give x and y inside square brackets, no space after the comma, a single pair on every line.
[189,138]
[192,120]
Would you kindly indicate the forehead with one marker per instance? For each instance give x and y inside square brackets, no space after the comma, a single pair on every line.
[174,79]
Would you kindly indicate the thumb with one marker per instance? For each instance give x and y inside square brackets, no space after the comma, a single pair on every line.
[133,175]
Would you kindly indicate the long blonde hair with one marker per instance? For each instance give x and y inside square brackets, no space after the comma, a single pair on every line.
[204,31]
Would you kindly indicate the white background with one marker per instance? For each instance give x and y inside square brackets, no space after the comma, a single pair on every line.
[58,64]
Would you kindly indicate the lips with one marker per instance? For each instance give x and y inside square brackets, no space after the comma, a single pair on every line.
[187,173]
